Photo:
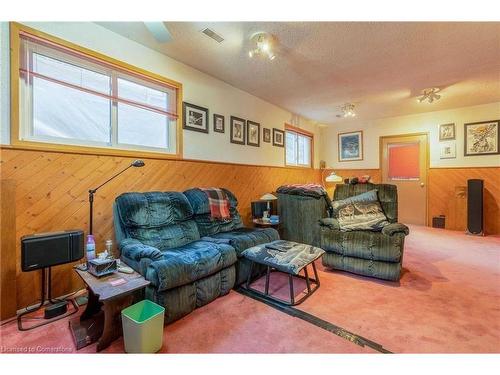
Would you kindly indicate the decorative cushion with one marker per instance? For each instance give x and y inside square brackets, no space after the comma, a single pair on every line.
[207,226]
[360,212]
[285,256]
[387,195]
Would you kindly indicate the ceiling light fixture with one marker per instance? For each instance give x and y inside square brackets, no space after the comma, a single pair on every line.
[348,110]
[263,45]
[430,95]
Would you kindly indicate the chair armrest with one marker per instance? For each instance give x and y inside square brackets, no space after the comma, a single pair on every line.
[329,222]
[394,228]
[136,250]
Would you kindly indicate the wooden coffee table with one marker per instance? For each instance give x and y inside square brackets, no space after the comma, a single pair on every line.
[101,320]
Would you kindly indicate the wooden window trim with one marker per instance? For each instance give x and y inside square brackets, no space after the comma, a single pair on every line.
[301,132]
[15,42]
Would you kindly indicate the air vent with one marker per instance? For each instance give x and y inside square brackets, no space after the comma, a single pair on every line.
[212,34]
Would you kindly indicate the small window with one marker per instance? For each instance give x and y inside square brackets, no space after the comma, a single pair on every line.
[298,149]
[67,97]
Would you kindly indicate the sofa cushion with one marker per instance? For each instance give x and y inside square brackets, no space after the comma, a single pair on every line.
[243,238]
[207,226]
[188,263]
[162,220]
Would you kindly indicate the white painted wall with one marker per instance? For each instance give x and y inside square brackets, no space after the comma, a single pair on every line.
[4,83]
[198,88]
[423,122]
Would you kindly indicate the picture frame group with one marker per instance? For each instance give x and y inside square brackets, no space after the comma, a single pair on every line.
[241,131]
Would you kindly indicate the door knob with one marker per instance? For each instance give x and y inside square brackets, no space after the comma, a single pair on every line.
[422,184]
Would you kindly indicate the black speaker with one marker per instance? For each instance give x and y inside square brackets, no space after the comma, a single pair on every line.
[50,249]
[475,207]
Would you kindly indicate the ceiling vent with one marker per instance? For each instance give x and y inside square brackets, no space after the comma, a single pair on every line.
[212,34]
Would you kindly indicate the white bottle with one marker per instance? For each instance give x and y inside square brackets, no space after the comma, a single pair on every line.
[109,245]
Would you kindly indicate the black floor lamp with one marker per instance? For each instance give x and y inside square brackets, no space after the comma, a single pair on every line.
[135,163]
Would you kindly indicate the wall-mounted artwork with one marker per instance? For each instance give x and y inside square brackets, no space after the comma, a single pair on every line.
[253,133]
[278,137]
[448,150]
[218,123]
[481,138]
[194,117]
[446,132]
[237,130]
[266,135]
[351,146]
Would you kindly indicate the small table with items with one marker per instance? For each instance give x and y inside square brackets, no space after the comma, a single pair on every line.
[287,257]
[113,293]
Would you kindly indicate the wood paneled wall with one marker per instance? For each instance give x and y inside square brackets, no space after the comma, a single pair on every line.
[448,196]
[51,194]
[8,305]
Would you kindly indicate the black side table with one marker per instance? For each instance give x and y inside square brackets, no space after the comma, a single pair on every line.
[259,223]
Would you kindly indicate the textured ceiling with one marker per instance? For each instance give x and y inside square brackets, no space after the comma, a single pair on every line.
[381,67]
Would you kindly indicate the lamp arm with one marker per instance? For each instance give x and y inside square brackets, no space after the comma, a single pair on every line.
[92,191]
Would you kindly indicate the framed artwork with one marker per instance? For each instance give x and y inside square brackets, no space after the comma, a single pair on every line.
[194,117]
[351,146]
[448,150]
[253,133]
[266,135]
[481,138]
[446,132]
[237,130]
[218,123]
[278,138]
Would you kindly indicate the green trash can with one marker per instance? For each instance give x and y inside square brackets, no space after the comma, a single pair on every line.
[143,327]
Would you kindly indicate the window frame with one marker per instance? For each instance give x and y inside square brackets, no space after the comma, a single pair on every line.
[122,70]
[302,132]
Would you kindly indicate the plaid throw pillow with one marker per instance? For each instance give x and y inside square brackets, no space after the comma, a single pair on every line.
[219,204]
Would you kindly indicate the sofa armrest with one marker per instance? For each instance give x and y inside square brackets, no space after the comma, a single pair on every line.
[394,228]
[330,222]
[136,250]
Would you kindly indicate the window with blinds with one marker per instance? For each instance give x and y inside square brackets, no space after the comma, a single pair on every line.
[67,97]
[298,149]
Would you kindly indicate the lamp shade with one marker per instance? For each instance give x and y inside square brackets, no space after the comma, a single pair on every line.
[268,197]
[332,177]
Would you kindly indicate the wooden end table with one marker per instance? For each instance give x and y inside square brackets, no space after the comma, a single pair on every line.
[259,223]
[105,325]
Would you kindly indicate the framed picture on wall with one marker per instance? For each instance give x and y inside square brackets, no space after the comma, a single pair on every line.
[350,146]
[448,150]
[278,138]
[237,130]
[446,132]
[218,123]
[266,135]
[253,133]
[194,117]
[481,138]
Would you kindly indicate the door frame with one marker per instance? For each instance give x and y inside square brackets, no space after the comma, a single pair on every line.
[427,162]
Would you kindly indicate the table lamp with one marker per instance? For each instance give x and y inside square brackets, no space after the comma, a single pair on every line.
[135,163]
[268,197]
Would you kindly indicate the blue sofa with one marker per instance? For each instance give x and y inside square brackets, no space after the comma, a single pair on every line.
[190,259]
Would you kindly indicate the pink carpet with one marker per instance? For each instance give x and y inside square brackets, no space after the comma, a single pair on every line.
[446,302]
